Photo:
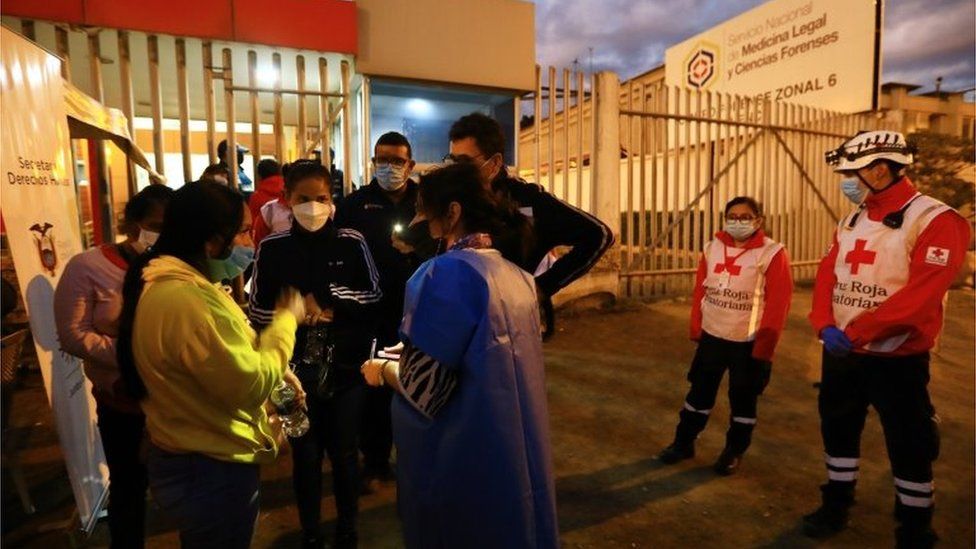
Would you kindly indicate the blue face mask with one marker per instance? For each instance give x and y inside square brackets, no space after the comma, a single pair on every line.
[853,189]
[227,269]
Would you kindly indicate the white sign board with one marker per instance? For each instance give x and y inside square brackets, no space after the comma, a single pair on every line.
[40,213]
[822,53]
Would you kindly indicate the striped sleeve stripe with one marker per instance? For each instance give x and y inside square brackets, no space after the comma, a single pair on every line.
[371,295]
[360,297]
[256,313]
[370,266]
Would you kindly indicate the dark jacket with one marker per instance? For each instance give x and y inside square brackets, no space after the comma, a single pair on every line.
[370,212]
[336,267]
[555,223]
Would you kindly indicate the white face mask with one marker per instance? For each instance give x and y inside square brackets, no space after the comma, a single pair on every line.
[146,240]
[312,216]
[390,177]
[853,189]
[740,230]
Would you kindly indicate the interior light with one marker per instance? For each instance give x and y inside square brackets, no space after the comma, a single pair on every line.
[420,107]
[267,76]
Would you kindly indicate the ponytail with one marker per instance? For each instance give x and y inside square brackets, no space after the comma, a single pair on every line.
[481,211]
[131,291]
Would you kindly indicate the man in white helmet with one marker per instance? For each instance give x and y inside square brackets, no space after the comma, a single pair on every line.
[877,308]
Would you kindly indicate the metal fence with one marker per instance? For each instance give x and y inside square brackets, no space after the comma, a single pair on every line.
[548,154]
[683,155]
[194,87]
[686,153]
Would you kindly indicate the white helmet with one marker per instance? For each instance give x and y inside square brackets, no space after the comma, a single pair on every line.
[866,147]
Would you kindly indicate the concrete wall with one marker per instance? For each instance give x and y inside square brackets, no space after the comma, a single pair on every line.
[484,43]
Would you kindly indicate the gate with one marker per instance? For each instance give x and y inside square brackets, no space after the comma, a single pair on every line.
[685,153]
[659,163]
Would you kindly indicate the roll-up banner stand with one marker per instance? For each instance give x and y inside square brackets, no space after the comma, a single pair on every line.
[41,217]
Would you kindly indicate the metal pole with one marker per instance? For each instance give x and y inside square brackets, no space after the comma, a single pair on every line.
[302,111]
[325,118]
[537,123]
[230,117]
[252,78]
[346,126]
[552,130]
[364,104]
[580,95]
[183,92]
[27,29]
[64,51]
[210,102]
[279,125]
[95,57]
[128,105]
[156,102]
[566,135]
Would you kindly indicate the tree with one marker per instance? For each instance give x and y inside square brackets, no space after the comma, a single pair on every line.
[940,164]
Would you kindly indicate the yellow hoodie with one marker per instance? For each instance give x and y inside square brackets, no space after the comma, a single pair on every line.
[206,371]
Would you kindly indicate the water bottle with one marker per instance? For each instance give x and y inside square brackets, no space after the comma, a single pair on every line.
[293,419]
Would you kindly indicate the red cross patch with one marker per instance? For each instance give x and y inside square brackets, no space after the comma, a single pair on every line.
[937,256]
[860,255]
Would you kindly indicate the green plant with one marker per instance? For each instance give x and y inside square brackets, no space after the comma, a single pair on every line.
[940,162]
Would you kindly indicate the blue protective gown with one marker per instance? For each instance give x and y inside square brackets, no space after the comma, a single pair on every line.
[479,473]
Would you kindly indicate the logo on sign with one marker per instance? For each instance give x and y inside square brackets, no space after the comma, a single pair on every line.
[937,256]
[701,66]
[44,239]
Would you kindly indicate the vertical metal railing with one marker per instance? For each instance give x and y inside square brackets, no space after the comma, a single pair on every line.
[163,53]
[688,152]
[183,93]
[156,104]
[556,151]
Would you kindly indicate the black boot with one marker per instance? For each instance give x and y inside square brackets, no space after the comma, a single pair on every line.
[831,517]
[678,451]
[915,538]
[915,527]
[738,437]
[728,462]
[690,424]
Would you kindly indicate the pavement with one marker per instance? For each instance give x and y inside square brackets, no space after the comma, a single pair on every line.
[616,380]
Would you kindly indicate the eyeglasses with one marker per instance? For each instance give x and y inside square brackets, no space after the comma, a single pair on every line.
[391,160]
[744,217]
[460,158]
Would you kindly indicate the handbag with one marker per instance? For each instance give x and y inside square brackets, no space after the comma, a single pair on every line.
[318,357]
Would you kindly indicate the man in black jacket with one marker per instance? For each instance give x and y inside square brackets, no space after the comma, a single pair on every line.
[379,210]
[478,138]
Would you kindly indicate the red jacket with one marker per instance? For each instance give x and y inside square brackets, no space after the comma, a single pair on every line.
[268,189]
[918,305]
[778,291]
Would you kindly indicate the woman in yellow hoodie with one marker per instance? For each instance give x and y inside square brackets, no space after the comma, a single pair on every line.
[186,351]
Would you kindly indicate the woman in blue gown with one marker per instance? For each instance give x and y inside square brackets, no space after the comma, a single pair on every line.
[470,423]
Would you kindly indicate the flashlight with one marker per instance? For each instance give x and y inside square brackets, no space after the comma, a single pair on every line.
[397,228]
